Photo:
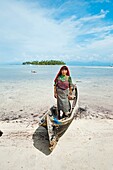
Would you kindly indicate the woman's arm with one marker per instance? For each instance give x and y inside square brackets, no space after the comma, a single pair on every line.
[70,85]
[70,90]
[55,91]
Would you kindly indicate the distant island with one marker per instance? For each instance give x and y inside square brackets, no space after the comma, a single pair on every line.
[44,62]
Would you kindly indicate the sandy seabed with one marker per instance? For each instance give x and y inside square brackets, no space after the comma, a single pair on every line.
[86,145]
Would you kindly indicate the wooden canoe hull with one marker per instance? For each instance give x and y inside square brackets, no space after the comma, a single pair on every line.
[56,128]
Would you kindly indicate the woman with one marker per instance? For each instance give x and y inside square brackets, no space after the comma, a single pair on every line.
[62,90]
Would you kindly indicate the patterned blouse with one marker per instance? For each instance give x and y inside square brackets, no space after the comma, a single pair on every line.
[63,82]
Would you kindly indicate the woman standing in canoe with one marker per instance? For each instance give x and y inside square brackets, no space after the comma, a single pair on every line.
[62,90]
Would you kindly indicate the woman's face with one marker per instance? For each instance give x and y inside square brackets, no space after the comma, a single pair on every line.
[64,72]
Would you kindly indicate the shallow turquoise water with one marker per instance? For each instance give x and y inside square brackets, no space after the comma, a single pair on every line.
[22,89]
[23,73]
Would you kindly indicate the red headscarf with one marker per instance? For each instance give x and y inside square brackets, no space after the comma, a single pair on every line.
[60,72]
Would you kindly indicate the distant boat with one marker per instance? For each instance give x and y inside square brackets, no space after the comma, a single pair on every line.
[55,127]
[33,71]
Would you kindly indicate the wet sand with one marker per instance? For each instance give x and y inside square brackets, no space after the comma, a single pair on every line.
[86,145]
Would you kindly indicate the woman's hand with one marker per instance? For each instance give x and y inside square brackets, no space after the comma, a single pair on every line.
[55,95]
[69,97]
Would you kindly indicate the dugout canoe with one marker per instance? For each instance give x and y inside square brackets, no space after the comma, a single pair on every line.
[56,128]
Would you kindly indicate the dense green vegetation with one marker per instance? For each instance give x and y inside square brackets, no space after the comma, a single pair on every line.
[45,62]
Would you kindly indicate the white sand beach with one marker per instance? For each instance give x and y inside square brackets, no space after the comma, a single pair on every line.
[87,143]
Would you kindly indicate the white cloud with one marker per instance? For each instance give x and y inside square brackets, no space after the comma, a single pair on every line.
[29,32]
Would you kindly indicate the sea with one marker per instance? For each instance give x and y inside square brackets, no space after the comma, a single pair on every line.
[29,87]
[13,73]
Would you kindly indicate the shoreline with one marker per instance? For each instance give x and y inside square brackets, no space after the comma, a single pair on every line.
[87,144]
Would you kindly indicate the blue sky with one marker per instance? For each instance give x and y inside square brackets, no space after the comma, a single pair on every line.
[69,30]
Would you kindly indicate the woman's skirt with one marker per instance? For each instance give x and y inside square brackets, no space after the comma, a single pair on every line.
[63,102]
